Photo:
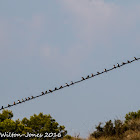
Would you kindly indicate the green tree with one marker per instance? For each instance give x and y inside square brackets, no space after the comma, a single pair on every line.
[44,123]
[36,124]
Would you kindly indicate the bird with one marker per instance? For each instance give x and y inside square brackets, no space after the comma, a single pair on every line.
[114,66]
[61,87]
[67,84]
[98,72]
[19,101]
[50,90]
[72,83]
[118,65]
[23,100]
[42,93]
[28,98]
[135,58]
[2,107]
[14,103]
[8,105]
[55,88]
[87,77]
[128,61]
[123,63]
[32,97]
[92,75]
[105,70]
[46,92]
[83,78]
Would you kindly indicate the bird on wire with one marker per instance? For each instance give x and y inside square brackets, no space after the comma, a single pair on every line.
[118,65]
[87,77]
[50,90]
[67,84]
[105,70]
[61,87]
[83,78]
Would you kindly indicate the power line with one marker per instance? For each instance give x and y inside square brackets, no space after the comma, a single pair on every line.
[72,83]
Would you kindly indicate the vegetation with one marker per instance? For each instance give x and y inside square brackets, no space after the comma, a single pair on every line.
[129,129]
[119,130]
[37,124]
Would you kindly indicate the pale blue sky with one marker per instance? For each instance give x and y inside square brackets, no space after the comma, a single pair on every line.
[44,44]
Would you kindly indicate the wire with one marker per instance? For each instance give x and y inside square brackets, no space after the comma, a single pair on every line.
[72,83]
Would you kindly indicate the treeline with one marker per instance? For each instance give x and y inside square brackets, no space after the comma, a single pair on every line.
[118,129]
[37,124]
[129,129]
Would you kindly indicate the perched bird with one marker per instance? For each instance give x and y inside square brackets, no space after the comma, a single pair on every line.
[50,90]
[123,63]
[67,84]
[114,66]
[61,87]
[83,78]
[2,107]
[14,103]
[118,65]
[72,83]
[19,101]
[87,77]
[8,105]
[42,93]
[23,100]
[32,97]
[135,58]
[98,72]
[28,98]
[128,61]
[92,75]
[105,70]
[55,88]
[46,92]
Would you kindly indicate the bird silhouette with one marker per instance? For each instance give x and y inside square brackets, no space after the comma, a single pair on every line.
[32,97]
[92,75]
[28,98]
[135,58]
[72,83]
[98,72]
[105,70]
[61,87]
[123,63]
[55,88]
[87,77]
[128,61]
[50,90]
[2,107]
[46,92]
[23,100]
[114,66]
[8,105]
[19,101]
[14,103]
[67,84]
[42,93]
[118,65]
[83,78]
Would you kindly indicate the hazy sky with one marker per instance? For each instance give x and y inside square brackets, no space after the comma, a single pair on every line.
[44,44]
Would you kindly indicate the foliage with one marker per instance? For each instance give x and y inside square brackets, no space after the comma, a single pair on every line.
[36,124]
[117,129]
[132,116]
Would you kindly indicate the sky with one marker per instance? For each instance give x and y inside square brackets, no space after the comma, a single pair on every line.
[44,44]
